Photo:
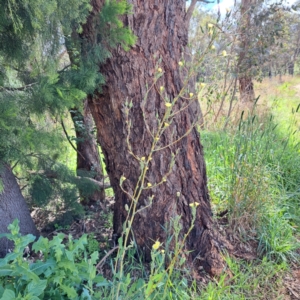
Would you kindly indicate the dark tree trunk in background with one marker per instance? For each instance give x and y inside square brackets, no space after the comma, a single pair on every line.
[244,63]
[88,159]
[12,206]
[162,34]
[246,89]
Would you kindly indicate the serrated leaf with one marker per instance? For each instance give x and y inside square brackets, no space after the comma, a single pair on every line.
[94,257]
[42,244]
[70,291]
[68,265]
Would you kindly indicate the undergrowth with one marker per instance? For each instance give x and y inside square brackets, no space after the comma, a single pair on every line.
[254,174]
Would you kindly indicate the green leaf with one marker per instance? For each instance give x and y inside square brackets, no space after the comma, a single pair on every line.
[14,227]
[40,267]
[86,294]
[37,288]
[41,245]
[67,265]
[94,257]
[8,295]
[5,270]
[70,291]
[26,273]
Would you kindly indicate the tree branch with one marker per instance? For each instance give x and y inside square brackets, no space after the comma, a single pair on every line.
[54,175]
[22,88]
[69,140]
[191,8]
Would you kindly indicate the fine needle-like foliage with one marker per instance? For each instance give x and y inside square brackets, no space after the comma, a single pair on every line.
[37,87]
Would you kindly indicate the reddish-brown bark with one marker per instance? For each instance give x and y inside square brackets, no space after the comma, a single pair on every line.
[162,35]
[246,89]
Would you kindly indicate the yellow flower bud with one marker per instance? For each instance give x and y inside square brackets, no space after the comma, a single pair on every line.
[202,84]
[167,124]
[180,63]
[156,245]
[143,158]
[212,47]
[224,53]
[159,70]
[168,104]
[191,95]
[161,88]
[149,184]
[194,204]
[209,25]
[126,207]
[123,178]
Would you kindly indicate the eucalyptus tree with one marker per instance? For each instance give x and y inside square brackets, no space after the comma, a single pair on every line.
[146,125]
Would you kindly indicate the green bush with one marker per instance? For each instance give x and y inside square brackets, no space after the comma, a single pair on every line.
[56,274]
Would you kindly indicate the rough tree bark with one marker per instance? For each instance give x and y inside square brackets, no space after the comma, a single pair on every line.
[246,89]
[12,206]
[162,31]
[88,159]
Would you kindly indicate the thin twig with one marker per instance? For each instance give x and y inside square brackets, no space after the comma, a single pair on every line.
[69,140]
[99,265]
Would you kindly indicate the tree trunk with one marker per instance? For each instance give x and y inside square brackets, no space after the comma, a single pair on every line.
[246,89]
[162,35]
[244,63]
[12,206]
[88,159]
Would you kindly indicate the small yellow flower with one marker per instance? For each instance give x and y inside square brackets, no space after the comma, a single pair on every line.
[191,95]
[167,124]
[161,88]
[123,178]
[159,70]
[156,245]
[194,204]
[162,251]
[202,84]
[143,158]
[180,63]
[212,47]
[224,53]
[164,179]
[126,207]
[178,194]
[149,184]
[209,25]
[168,104]
[157,138]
